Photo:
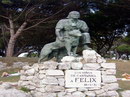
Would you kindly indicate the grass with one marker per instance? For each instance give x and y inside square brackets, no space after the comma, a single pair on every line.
[122,67]
[10,79]
[11,60]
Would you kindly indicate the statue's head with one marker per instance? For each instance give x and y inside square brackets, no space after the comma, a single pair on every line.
[74,15]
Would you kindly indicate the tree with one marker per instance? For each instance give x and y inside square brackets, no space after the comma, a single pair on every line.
[124,48]
[107,23]
[22,15]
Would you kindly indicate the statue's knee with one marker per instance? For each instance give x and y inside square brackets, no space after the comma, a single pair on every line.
[85,34]
[47,45]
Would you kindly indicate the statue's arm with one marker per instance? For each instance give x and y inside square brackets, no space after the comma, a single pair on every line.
[58,34]
[84,27]
[58,30]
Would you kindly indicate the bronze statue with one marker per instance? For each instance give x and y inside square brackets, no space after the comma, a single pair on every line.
[69,32]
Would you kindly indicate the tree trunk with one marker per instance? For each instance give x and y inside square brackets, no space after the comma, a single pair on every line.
[10,47]
[117,54]
[127,56]
[13,37]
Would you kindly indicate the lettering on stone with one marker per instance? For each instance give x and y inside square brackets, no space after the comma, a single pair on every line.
[82,78]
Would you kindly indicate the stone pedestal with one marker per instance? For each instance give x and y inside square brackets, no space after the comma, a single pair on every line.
[48,78]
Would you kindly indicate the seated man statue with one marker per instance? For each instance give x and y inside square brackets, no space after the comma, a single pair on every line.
[69,32]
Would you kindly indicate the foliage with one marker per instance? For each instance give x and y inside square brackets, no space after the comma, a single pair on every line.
[124,48]
[6,2]
[127,39]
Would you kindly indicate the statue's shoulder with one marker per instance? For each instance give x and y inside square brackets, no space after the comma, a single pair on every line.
[63,20]
[81,21]
[61,23]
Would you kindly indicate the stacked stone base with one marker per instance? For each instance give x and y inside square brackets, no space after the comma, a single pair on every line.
[48,78]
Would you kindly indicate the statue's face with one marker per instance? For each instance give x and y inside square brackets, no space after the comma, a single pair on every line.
[74,15]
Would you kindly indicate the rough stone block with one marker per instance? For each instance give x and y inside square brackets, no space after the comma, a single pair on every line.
[48,65]
[100,60]
[13,93]
[61,94]
[82,89]
[68,59]
[30,72]
[6,85]
[96,88]
[108,65]
[41,76]
[79,59]
[91,60]
[103,95]
[50,81]
[30,87]
[91,66]
[54,88]
[48,95]
[36,94]
[64,66]
[24,83]
[109,72]
[78,94]
[35,66]
[77,65]
[90,93]
[125,93]
[90,56]
[42,90]
[108,79]
[113,94]
[110,87]
[42,71]
[26,67]
[29,78]
[35,80]
[99,91]
[54,72]
[109,94]
[22,72]
[68,95]
[23,78]
[61,81]
[70,90]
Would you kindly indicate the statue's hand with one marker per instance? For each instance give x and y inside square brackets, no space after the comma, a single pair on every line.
[61,39]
